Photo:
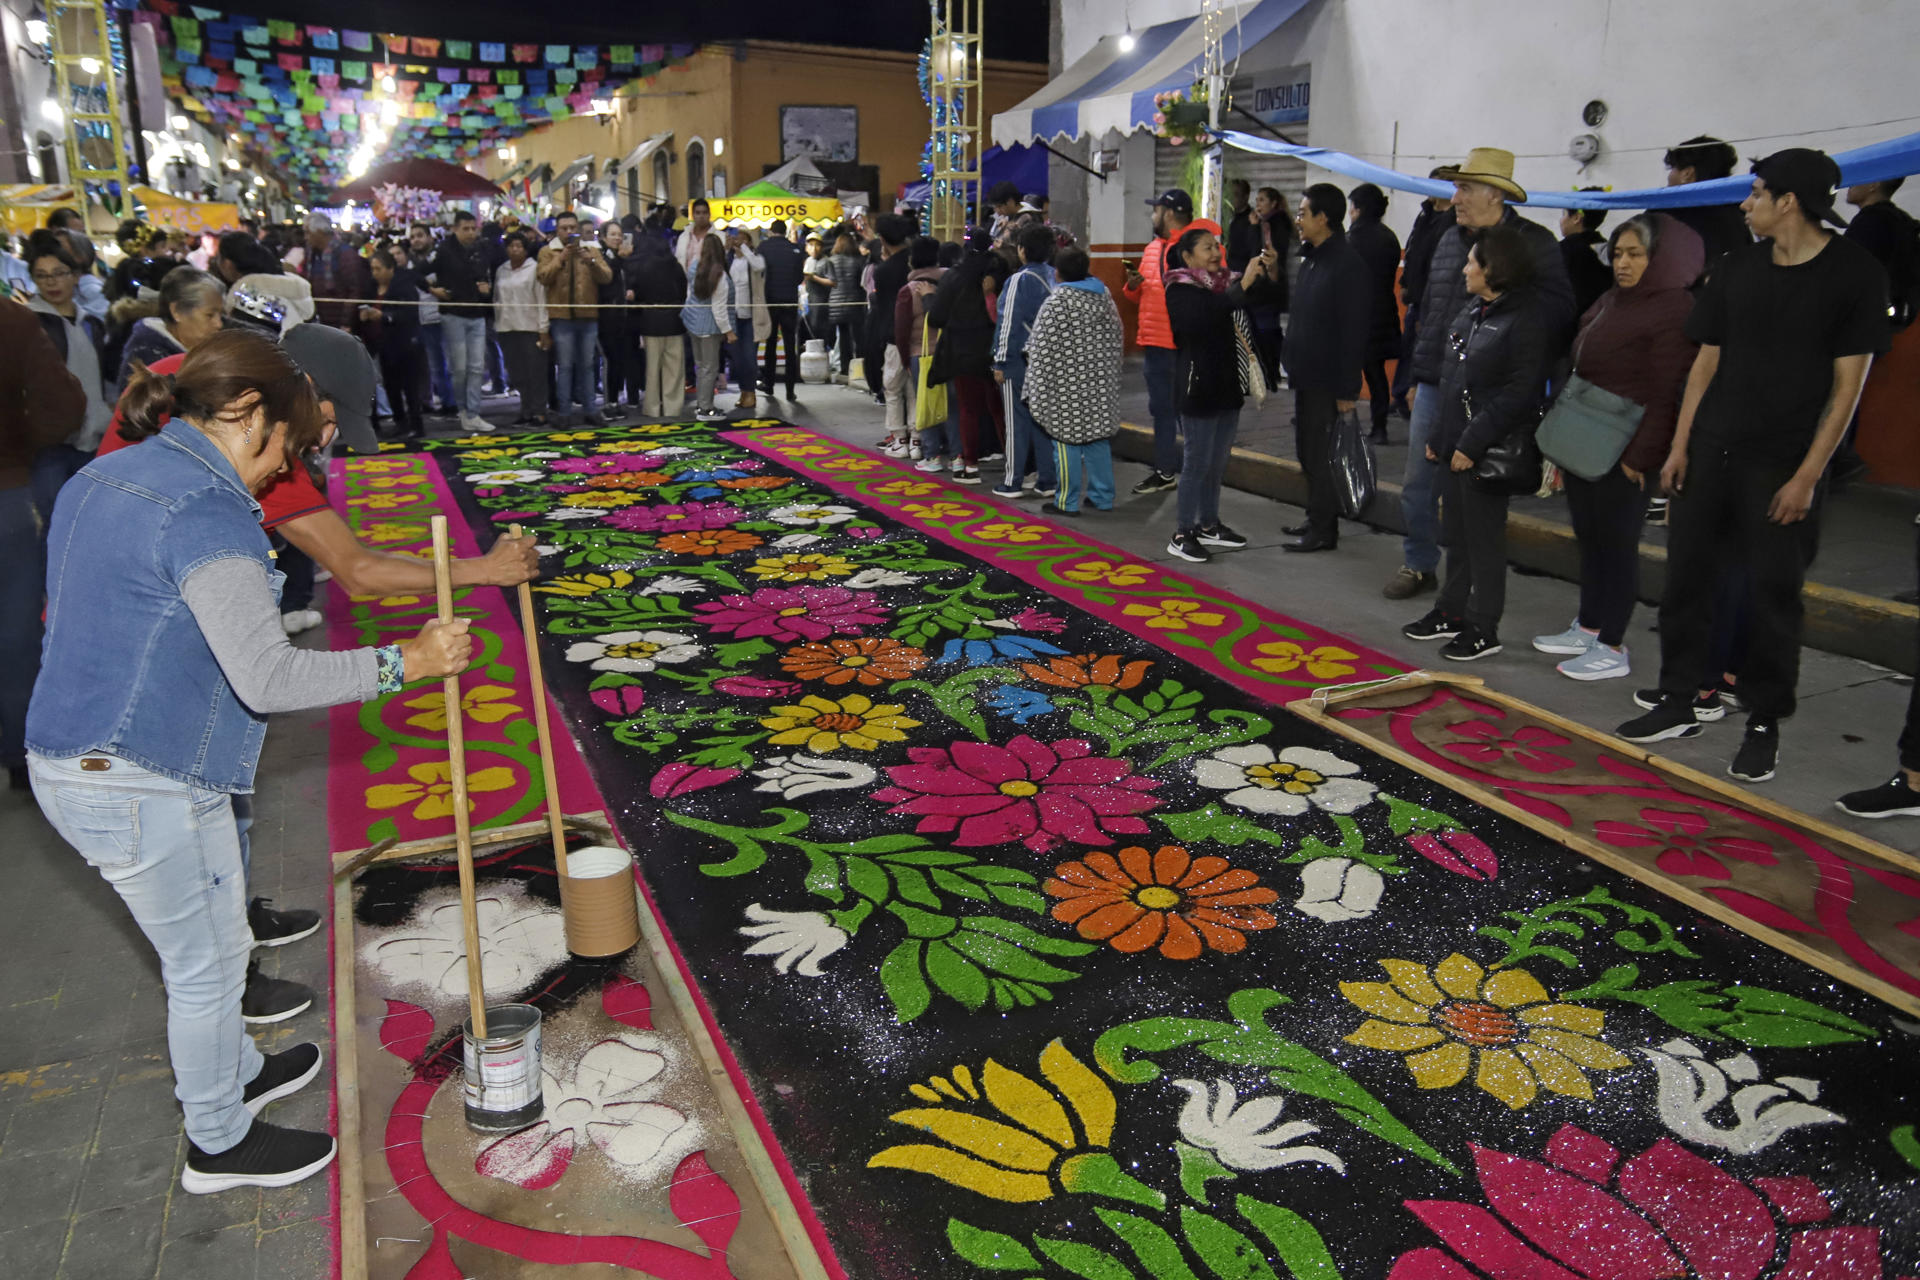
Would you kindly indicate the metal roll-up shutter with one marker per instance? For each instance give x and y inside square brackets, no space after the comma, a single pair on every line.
[1286,174]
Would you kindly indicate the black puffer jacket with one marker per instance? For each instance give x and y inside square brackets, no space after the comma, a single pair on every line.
[658,278]
[1379,248]
[1446,294]
[1495,373]
[959,311]
[1206,362]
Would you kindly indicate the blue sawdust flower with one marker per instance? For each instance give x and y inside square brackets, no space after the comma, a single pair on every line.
[1022,705]
[985,653]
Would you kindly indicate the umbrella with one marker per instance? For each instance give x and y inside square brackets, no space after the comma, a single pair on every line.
[449,180]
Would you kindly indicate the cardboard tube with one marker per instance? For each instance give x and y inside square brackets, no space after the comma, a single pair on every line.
[457,773]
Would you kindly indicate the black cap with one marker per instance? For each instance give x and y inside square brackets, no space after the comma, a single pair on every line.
[1175,199]
[1809,175]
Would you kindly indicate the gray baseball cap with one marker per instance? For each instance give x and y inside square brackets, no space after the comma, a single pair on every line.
[342,372]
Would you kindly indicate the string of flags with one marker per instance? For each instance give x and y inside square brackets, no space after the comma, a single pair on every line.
[302,97]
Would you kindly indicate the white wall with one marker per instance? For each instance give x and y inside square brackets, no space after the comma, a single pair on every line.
[1515,74]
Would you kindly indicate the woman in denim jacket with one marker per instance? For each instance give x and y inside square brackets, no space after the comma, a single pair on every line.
[164,655]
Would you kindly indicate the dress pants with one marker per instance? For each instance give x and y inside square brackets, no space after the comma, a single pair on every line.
[621,348]
[1474,523]
[666,393]
[786,329]
[1607,517]
[527,366]
[1379,398]
[1313,424]
[403,368]
[1718,523]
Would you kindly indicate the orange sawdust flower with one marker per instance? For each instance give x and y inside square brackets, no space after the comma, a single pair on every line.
[866,659]
[626,480]
[710,542]
[1082,669]
[756,482]
[1180,903]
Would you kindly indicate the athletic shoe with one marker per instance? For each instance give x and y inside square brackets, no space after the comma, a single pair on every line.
[268,1156]
[1729,696]
[614,413]
[1408,583]
[930,465]
[1576,639]
[1156,482]
[995,456]
[270,999]
[1434,625]
[1052,508]
[1670,718]
[473,422]
[1041,492]
[592,419]
[1223,537]
[957,465]
[1657,512]
[1602,662]
[1707,708]
[298,620]
[1891,799]
[895,450]
[1471,645]
[967,475]
[282,1075]
[277,928]
[1009,491]
[913,451]
[1187,546]
[1759,752]
[710,415]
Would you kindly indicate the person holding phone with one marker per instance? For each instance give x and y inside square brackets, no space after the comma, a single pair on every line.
[573,274]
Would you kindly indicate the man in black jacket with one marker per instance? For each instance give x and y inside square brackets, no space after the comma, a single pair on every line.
[1722,226]
[889,277]
[1580,241]
[461,277]
[1434,218]
[782,283]
[1331,310]
[1481,188]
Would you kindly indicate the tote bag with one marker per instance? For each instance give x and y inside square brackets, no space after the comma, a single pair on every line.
[1588,427]
[930,401]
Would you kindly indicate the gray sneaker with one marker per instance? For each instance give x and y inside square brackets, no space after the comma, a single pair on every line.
[1407,583]
[1601,662]
[1576,639]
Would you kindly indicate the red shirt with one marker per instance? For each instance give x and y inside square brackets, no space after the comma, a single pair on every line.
[289,497]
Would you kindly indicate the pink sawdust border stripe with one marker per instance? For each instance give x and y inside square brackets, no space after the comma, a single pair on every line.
[1256,649]
[347,818]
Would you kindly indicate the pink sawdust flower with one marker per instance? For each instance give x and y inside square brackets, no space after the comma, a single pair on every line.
[794,613]
[683,517]
[1684,848]
[601,463]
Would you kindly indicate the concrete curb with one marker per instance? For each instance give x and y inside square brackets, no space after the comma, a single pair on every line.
[1840,621]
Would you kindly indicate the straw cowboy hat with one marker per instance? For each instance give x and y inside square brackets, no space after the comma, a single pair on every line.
[1490,165]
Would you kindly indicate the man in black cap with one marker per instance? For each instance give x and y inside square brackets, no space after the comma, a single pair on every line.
[1787,330]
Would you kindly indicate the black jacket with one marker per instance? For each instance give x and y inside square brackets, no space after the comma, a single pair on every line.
[1722,226]
[1585,272]
[1244,243]
[615,290]
[1206,359]
[1327,342]
[1446,294]
[1497,355]
[889,278]
[459,270]
[1425,234]
[1889,233]
[959,311]
[1379,248]
[784,261]
[658,278]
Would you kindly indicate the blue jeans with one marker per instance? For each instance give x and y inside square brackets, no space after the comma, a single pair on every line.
[1161,408]
[1094,462]
[23,578]
[1420,492]
[438,379]
[466,358]
[1028,447]
[1209,445]
[172,852]
[576,354]
[746,369]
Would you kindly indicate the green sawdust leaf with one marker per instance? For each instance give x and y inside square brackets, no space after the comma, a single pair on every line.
[1084,1260]
[379,758]
[1198,1167]
[1906,1143]
[1158,1252]
[989,1250]
[1222,826]
[1297,1245]
[1757,1016]
[1643,933]
[905,987]
[956,976]
[1227,1252]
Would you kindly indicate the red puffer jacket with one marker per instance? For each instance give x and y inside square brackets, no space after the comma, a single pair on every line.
[1154,329]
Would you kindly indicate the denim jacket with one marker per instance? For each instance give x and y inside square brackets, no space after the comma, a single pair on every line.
[125,670]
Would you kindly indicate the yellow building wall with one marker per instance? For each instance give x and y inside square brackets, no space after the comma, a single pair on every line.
[718,95]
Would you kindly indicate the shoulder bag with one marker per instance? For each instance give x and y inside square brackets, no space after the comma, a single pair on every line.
[930,400]
[1511,464]
[1588,428]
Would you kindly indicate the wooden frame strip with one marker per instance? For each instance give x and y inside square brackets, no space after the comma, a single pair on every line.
[593,824]
[350,1206]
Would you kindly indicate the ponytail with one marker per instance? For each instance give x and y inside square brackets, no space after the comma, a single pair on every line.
[146,404]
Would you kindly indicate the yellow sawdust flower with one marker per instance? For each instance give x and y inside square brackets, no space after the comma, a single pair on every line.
[581,585]
[908,488]
[482,703]
[1175,615]
[432,787]
[1114,575]
[1005,532]
[1502,1027]
[600,499]
[1023,1142]
[1322,663]
[820,725]
[937,510]
[802,567]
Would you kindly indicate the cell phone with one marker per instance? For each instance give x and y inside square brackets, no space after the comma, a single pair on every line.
[1130,265]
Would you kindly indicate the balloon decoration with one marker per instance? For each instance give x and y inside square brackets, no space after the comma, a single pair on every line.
[394,203]
[307,100]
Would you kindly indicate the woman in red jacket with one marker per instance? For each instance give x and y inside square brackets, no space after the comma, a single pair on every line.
[1632,342]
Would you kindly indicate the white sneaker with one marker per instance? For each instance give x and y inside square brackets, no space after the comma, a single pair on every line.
[930,465]
[913,451]
[1576,639]
[895,450]
[298,620]
[1601,662]
[957,466]
[474,423]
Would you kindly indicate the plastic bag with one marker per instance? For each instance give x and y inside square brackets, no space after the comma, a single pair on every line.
[1354,472]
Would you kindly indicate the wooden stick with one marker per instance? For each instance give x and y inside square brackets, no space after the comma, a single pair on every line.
[592,824]
[457,768]
[537,681]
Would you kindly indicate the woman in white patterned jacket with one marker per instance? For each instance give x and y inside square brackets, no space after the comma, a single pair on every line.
[1073,382]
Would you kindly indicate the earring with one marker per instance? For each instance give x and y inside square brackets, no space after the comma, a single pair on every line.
[246,437]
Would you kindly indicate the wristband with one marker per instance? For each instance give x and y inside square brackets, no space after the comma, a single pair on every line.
[393,668]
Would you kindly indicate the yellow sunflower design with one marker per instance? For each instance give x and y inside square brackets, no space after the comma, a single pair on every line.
[820,725]
[1502,1028]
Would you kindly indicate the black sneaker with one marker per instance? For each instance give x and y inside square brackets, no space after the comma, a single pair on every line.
[277,928]
[1156,482]
[1471,644]
[1657,512]
[272,1000]
[1223,537]
[1729,696]
[1707,708]
[282,1075]
[1891,799]
[1188,546]
[1435,625]
[268,1156]
[1759,752]
[1669,718]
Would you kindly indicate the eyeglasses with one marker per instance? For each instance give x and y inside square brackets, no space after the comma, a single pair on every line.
[52,277]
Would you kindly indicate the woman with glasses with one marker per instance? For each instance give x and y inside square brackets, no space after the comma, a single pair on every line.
[80,339]
[139,763]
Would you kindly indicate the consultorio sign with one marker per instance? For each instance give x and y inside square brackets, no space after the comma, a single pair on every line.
[1278,97]
[760,213]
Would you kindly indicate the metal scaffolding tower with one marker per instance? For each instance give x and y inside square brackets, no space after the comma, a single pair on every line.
[87,89]
[954,76]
